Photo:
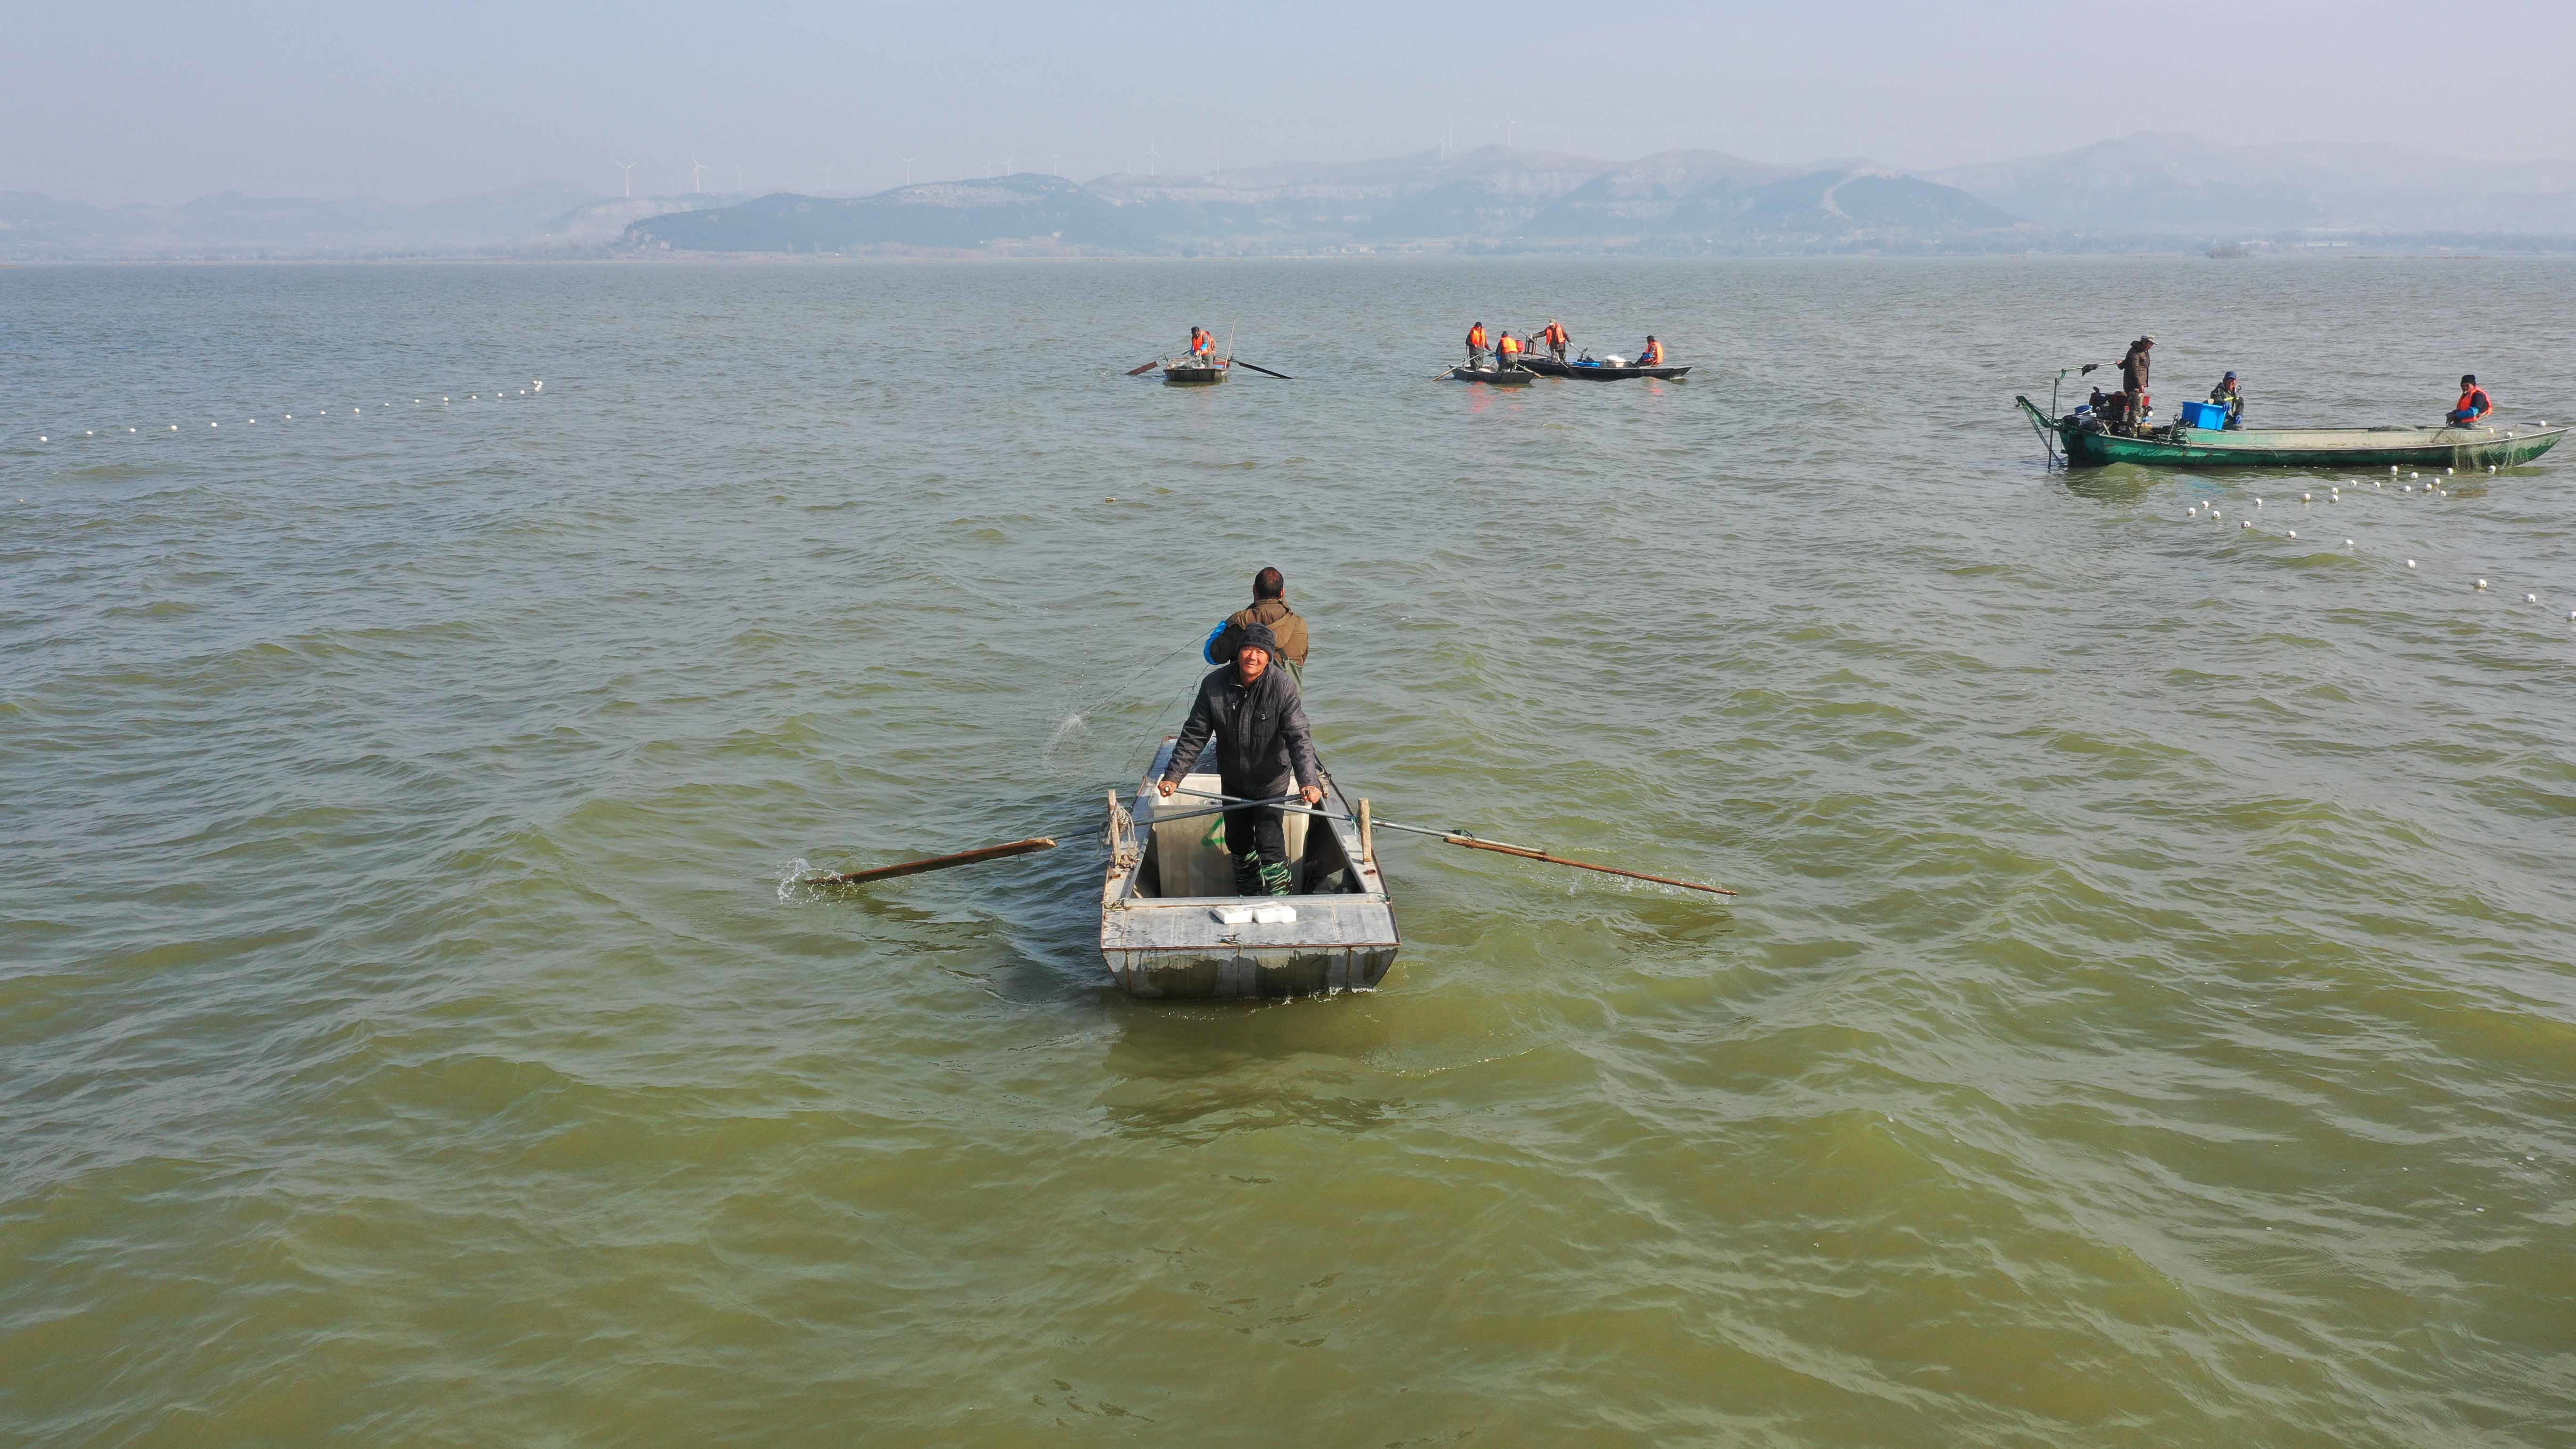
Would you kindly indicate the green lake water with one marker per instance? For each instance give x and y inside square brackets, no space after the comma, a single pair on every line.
[2148,1020]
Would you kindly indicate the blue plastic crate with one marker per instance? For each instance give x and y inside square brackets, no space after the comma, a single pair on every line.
[2203,415]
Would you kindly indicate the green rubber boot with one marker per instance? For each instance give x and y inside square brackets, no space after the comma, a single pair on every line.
[1276,878]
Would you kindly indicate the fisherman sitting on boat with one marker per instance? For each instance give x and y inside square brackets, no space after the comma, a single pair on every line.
[1258,722]
[1269,608]
[1650,355]
[2474,404]
[1202,346]
[1476,346]
[2230,397]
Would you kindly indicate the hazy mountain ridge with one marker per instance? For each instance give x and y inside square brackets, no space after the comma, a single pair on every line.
[2149,191]
[2167,183]
[1489,198]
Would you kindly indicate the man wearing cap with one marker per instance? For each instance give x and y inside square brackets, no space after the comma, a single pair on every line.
[2227,395]
[1257,722]
[2474,404]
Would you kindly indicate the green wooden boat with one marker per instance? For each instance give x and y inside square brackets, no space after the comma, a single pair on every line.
[2324,449]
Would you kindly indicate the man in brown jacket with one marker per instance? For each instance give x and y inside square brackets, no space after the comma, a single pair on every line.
[1270,609]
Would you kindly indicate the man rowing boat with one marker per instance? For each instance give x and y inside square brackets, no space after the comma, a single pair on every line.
[1257,721]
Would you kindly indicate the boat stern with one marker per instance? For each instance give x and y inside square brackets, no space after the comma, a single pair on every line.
[1171,929]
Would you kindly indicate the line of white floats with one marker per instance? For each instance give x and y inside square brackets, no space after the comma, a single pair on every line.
[2410,484]
[536,387]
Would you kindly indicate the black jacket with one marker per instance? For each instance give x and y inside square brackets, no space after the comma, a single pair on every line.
[1260,732]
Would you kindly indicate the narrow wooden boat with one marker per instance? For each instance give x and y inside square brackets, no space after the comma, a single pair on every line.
[1193,374]
[1165,904]
[1600,371]
[2086,444]
[1495,376]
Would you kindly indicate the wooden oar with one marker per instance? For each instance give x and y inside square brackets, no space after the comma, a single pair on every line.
[1437,376]
[1460,837]
[1257,367]
[1523,851]
[1148,367]
[936,862]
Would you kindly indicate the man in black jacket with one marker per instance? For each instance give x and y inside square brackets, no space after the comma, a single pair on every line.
[1258,724]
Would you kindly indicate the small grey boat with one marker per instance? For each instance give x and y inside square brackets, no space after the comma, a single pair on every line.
[1171,925]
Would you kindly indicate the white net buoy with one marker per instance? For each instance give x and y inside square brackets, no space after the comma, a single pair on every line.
[2482,585]
[2410,563]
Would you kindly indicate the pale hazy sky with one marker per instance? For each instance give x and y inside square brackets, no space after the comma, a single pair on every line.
[116,102]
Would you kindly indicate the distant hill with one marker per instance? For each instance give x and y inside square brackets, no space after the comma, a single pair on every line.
[1493,198]
[943,215]
[1715,198]
[2168,183]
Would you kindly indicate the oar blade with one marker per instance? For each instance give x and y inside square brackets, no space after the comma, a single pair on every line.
[1265,372]
[936,862]
[1144,367]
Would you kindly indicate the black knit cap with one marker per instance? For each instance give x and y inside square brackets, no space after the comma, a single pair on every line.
[1256,636]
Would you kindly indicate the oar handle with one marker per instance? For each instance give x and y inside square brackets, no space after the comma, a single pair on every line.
[1460,837]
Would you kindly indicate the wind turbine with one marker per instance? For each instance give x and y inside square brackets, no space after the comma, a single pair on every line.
[695,166]
[629,168]
[1507,133]
[907,171]
[737,181]
[1151,156]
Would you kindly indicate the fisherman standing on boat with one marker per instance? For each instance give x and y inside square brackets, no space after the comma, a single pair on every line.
[2474,404]
[1269,609]
[1202,346]
[1476,346]
[1257,722]
[2232,398]
[1556,338]
[2133,379]
[1507,351]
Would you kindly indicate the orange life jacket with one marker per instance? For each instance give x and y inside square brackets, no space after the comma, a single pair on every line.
[1476,335]
[2475,401]
[1653,355]
[1510,346]
[1205,346]
[1554,335]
